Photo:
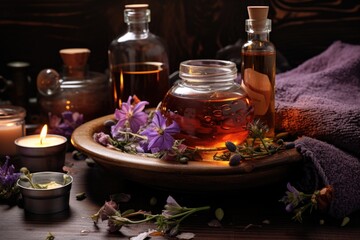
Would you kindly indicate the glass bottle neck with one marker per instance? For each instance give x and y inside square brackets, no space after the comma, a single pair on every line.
[262,36]
[138,27]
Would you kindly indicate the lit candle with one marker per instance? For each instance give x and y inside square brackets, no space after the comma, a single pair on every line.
[41,141]
[12,126]
[42,152]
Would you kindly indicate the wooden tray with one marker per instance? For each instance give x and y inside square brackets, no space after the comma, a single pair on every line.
[205,175]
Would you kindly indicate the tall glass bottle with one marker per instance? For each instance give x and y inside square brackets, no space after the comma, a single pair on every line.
[258,67]
[138,60]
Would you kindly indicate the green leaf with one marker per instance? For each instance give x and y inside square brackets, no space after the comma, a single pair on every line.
[219,214]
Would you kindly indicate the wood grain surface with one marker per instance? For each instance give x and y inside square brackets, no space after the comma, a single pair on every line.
[245,212]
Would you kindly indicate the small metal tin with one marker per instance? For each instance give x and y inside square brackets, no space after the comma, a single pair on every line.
[45,201]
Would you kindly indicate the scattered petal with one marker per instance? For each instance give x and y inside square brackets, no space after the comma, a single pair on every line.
[345,221]
[251,225]
[143,235]
[266,221]
[90,162]
[80,196]
[214,223]
[185,236]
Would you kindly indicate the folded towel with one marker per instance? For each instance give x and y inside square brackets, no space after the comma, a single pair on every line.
[320,100]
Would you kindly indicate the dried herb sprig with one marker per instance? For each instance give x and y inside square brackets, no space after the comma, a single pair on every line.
[255,146]
[299,202]
[167,222]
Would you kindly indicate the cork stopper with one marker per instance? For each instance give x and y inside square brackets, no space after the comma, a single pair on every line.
[75,57]
[258,15]
[136,6]
[75,61]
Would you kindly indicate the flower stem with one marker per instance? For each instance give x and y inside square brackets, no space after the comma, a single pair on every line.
[189,211]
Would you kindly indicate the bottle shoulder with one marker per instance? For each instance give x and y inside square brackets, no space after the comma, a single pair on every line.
[129,40]
[256,45]
[130,36]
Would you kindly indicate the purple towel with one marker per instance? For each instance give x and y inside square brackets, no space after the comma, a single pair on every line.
[320,99]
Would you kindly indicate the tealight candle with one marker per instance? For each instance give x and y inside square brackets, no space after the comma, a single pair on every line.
[12,126]
[44,152]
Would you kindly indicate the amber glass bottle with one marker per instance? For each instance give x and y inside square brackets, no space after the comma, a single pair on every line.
[258,67]
[138,60]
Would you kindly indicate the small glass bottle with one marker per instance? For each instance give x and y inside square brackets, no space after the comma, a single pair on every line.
[258,67]
[138,60]
[209,106]
[12,126]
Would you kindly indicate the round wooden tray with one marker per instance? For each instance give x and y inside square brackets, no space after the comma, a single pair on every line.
[207,175]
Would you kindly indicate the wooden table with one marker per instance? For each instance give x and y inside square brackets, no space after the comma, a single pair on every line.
[249,214]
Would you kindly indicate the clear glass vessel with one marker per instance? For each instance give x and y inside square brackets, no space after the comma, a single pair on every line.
[138,60]
[76,89]
[209,106]
[12,126]
[258,71]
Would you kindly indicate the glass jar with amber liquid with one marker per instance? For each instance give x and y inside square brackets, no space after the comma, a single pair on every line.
[209,106]
[258,67]
[138,60]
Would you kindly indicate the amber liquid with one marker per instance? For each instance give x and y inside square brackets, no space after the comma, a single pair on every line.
[207,123]
[263,68]
[148,81]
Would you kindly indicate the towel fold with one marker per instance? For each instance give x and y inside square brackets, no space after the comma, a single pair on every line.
[332,167]
[320,100]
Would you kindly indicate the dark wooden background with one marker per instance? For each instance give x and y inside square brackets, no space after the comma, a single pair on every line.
[35,30]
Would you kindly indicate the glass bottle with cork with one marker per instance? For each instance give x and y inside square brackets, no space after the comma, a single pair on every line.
[258,66]
[138,60]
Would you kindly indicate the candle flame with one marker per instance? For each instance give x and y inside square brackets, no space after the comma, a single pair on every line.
[43,133]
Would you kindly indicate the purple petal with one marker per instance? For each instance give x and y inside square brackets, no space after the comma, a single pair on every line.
[109,209]
[140,106]
[101,138]
[158,120]
[137,120]
[173,128]
[67,115]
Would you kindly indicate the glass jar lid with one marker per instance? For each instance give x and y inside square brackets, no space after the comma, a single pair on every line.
[209,69]
[10,113]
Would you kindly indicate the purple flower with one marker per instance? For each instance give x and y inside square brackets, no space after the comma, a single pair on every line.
[129,116]
[292,198]
[106,211]
[8,180]
[109,209]
[171,208]
[66,124]
[159,134]
[7,176]
[102,138]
